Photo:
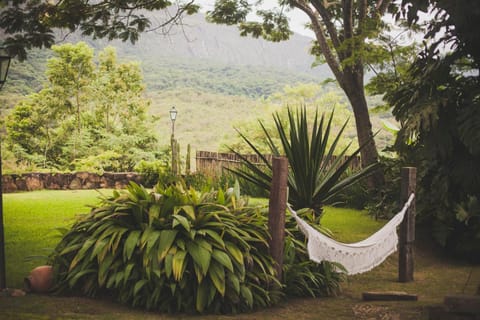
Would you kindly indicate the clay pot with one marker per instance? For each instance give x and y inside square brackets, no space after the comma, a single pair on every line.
[40,280]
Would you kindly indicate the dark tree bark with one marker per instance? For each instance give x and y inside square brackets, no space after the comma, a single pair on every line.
[353,87]
[342,50]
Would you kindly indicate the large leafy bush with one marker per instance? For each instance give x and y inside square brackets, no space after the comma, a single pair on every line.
[439,109]
[171,250]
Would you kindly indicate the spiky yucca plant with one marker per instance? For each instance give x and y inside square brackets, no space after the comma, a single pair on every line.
[173,250]
[317,170]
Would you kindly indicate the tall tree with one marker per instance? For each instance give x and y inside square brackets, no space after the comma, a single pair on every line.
[70,73]
[118,88]
[30,24]
[340,28]
[112,117]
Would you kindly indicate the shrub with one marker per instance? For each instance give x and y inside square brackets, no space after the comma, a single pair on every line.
[314,176]
[109,161]
[173,250]
[303,277]
[150,171]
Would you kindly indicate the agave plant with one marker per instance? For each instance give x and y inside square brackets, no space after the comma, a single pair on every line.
[317,170]
[172,250]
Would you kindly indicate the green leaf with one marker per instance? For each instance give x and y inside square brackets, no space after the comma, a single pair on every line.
[139,285]
[73,277]
[217,275]
[177,219]
[223,259]
[130,244]
[221,197]
[153,213]
[152,240]
[104,269]
[128,271]
[81,254]
[145,236]
[189,210]
[70,248]
[232,279]
[198,272]
[179,264]
[200,255]
[169,265]
[167,237]
[246,293]
[99,246]
[215,236]
[202,296]
[235,252]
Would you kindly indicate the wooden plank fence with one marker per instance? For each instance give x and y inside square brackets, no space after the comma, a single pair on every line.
[213,163]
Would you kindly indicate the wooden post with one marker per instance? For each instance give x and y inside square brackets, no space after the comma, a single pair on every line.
[276,211]
[407,228]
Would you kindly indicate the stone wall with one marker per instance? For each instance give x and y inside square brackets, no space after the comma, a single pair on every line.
[67,181]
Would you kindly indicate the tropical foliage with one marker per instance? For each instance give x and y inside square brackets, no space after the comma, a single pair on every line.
[437,105]
[88,116]
[316,168]
[171,250]
[180,250]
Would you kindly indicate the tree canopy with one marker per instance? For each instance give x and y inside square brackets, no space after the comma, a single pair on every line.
[31,24]
[87,116]
[438,106]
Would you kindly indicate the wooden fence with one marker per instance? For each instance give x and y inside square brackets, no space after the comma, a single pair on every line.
[213,163]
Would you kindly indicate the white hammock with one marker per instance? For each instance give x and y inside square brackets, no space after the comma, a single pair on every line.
[356,257]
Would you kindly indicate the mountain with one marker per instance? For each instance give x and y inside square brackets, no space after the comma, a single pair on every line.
[197,39]
[200,55]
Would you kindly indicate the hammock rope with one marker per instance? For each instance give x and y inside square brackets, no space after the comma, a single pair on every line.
[356,257]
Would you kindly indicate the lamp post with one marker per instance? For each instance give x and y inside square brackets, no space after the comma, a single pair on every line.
[173,117]
[4,65]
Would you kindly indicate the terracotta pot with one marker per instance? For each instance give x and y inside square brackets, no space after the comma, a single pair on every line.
[40,280]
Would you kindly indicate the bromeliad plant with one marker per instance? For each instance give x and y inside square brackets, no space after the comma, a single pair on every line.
[317,171]
[173,250]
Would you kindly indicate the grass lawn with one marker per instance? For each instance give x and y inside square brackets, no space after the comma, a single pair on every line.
[30,220]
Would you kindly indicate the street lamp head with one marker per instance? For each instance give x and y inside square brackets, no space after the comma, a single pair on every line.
[4,65]
[173,114]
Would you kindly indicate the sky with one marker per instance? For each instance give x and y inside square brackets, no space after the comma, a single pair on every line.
[297,21]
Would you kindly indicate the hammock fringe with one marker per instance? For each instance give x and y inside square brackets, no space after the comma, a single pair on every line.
[356,257]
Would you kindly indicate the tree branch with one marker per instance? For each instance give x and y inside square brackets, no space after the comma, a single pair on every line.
[327,19]
[382,6]
[347,19]
[327,52]
[173,20]
[362,14]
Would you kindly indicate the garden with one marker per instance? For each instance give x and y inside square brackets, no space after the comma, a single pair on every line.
[199,250]
[31,219]
[258,240]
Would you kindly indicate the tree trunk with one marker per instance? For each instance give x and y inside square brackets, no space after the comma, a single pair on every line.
[352,84]
[339,51]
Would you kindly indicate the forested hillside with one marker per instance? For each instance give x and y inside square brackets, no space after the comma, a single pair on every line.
[203,56]
[215,78]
